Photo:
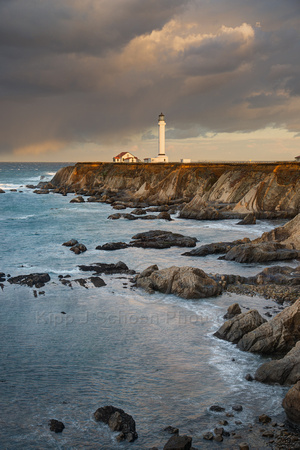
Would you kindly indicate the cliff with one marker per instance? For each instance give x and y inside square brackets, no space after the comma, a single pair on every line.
[206,190]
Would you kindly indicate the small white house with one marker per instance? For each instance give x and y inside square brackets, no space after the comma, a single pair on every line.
[297,158]
[125,157]
[185,161]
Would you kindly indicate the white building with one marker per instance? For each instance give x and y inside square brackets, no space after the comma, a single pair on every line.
[125,157]
[297,158]
[161,157]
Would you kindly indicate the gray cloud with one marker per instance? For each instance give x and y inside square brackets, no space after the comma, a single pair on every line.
[98,71]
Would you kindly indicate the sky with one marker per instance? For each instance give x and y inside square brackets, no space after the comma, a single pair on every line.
[83,80]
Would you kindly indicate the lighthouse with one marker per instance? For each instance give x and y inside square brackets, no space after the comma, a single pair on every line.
[161,157]
[161,135]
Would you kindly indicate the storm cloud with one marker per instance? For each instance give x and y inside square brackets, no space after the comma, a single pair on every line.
[95,71]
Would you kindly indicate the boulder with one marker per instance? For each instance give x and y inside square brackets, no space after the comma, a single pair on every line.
[233,310]
[78,248]
[115,216]
[215,248]
[34,279]
[278,335]
[266,251]
[56,426]
[283,371]
[41,191]
[249,219]
[78,199]
[110,246]
[234,329]
[117,420]
[289,234]
[164,215]
[2,191]
[70,243]
[179,443]
[139,212]
[162,239]
[291,404]
[185,282]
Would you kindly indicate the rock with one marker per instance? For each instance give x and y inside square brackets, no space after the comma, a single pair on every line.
[164,216]
[216,408]
[139,212]
[185,282]
[115,216]
[249,377]
[237,408]
[208,436]
[78,248]
[147,272]
[264,418]
[56,425]
[78,199]
[291,404]
[199,209]
[234,329]
[283,371]
[279,335]
[266,251]
[289,234]
[162,239]
[2,191]
[215,248]
[41,191]
[110,246]
[171,430]
[107,269]
[34,279]
[243,446]
[147,217]
[233,310]
[249,219]
[70,243]
[129,216]
[97,281]
[117,420]
[178,443]
[118,207]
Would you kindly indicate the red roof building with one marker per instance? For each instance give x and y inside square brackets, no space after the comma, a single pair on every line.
[125,157]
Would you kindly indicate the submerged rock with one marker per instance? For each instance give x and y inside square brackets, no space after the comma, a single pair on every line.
[56,426]
[107,269]
[185,282]
[283,371]
[178,443]
[110,246]
[117,420]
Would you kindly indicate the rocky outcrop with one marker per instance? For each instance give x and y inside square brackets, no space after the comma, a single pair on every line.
[215,248]
[185,282]
[117,420]
[260,252]
[279,335]
[33,279]
[107,269]
[249,219]
[291,404]
[210,190]
[162,239]
[234,329]
[282,371]
[288,235]
[232,311]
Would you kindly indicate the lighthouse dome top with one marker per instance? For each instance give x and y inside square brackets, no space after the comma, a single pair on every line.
[161,117]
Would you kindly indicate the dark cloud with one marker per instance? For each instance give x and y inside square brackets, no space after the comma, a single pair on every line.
[98,71]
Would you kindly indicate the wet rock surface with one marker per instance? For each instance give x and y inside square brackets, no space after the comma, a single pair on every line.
[107,269]
[262,252]
[215,248]
[34,279]
[117,420]
[234,329]
[291,404]
[162,239]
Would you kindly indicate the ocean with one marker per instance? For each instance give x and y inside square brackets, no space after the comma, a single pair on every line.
[154,356]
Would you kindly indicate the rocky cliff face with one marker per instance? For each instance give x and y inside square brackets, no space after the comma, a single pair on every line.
[208,190]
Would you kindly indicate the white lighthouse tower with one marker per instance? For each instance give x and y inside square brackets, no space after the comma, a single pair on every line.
[161,157]
[161,135]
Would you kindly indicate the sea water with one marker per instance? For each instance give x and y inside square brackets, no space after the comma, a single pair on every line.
[154,356]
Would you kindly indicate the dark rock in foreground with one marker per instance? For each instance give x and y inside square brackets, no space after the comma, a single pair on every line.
[249,219]
[96,281]
[283,371]
[110,246]
[185,282]
[56,425]
[234,329]
[117,420]
[34,279]
[78,199]
[2,191]
[178,443]
[78,248]
[291,404]
[107,269]
[70,243]
[162,239]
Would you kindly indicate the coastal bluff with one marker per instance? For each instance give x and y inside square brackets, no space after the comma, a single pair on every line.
[204,190]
